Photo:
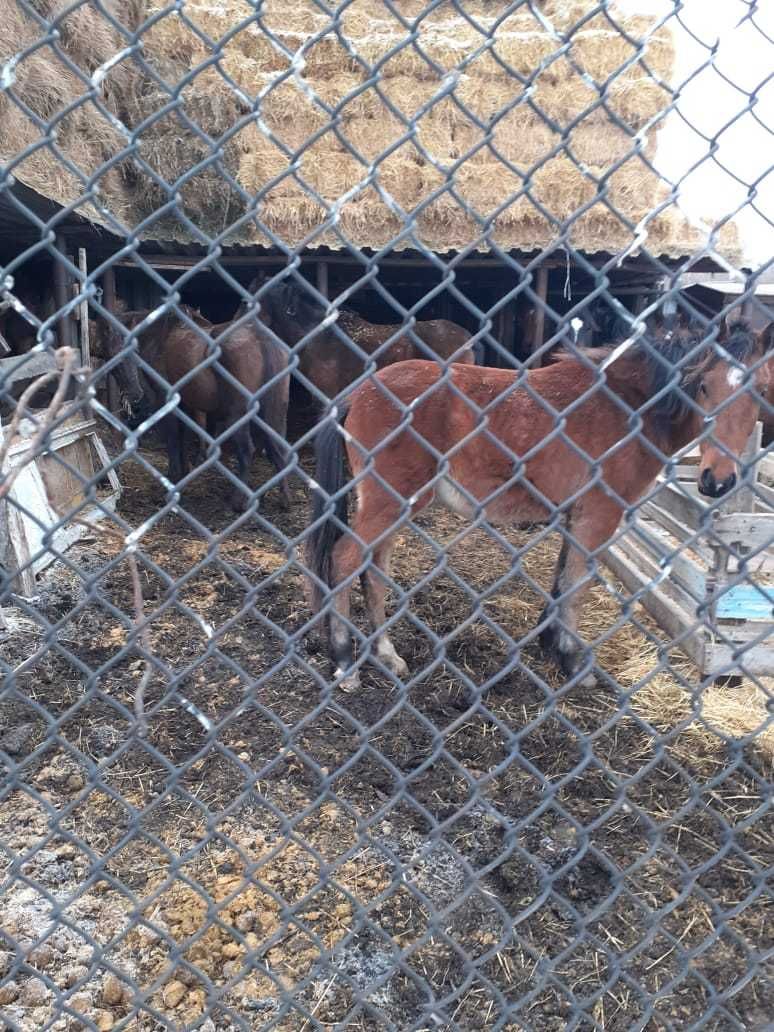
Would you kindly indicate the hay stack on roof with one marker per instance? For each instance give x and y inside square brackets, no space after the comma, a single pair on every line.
[325,128]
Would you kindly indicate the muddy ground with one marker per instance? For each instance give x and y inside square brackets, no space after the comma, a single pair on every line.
[409,857]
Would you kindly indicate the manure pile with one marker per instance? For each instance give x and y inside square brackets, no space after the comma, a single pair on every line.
[513,121]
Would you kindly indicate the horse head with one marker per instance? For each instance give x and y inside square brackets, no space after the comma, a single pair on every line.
[299,311]
[730,385]
[127,369]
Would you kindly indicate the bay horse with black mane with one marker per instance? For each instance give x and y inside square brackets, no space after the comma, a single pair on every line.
[330,363]
[414,435]
[244,382]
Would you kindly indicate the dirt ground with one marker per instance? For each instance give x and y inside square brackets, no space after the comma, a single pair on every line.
[431,856]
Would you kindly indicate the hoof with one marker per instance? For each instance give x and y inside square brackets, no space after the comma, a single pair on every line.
[396,665]
[387,657]
[239,501]
[348,683]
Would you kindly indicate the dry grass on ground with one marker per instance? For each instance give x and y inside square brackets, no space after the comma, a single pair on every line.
[311,840]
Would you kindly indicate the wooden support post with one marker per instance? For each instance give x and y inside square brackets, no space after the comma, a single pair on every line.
[541,289]
[507,339]
[109,302]
[322,278]
[62,294]
[744,501]
[84,313]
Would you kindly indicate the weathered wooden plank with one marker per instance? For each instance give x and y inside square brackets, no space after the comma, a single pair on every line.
[541,289]
[745,530]
[682,503]
[682,569]
[83,309]
[676,528]
[61,276]
[653,573]
[676,622]
[757,660]
[25,367]
[59,438]
[30,552]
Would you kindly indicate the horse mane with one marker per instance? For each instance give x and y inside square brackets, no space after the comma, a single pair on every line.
[672,366]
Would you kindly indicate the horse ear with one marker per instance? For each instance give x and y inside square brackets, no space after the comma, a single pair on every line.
[733,319]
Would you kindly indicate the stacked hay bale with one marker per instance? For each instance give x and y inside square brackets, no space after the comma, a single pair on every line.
[337,126]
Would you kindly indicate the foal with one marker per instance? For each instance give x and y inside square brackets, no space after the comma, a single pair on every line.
[482,441]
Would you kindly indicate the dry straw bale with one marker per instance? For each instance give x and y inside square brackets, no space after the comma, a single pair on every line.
[443,133]
[369,216]
[173,45]
[371,137]
[524,139]
[208,101]
[287,110]
[303,17]
[207,197]
[344,91]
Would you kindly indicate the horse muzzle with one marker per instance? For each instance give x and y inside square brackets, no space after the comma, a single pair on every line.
[713,488]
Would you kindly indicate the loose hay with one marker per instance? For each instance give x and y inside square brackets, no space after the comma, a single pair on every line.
[655,823]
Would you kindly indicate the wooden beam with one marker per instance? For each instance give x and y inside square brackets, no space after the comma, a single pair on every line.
[183,262]
[62,294]
[109,302]
[541,289]
[322,278]
[84,313]
[508,329]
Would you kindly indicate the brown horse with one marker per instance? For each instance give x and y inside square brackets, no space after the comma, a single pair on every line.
[228,391]
[115,343]
[415,435]
[329,363]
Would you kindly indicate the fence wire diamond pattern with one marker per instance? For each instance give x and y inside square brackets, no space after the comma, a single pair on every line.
[524,780]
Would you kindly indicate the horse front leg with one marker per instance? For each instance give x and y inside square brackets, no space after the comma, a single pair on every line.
[245,449]
[592,522]
[173,439]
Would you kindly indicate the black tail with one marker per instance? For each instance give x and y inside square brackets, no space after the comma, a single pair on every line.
[331,478]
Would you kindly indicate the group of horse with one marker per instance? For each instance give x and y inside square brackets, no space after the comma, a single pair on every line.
[234,377]
[577,441]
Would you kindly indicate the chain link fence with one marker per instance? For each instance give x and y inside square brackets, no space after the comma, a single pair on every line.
[305,298]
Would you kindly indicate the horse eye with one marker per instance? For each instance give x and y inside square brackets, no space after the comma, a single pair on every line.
[702,389]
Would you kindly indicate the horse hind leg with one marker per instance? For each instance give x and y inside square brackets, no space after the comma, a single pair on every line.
[373,517]
[278,457]
[592,522]
[375,587]
[245,449]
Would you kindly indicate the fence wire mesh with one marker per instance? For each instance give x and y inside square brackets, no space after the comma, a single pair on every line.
[275,278]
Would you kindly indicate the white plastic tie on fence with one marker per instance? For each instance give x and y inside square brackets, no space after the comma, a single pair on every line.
[98,76]
[156,314]
[196,713]
[8,72]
